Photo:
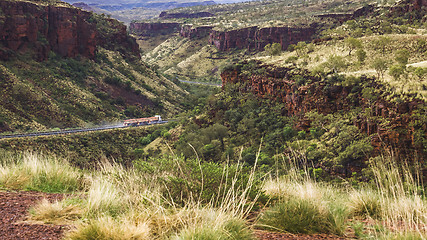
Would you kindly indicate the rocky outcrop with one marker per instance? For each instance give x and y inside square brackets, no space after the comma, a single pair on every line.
[410,9]
[188,31]
[166,15]
[342,17]
[254,38]
[65,30]
[83,6]
[397,130]
[153,29]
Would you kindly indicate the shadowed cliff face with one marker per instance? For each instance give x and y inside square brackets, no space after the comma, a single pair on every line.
[66,31]
[390,125]
[254,38]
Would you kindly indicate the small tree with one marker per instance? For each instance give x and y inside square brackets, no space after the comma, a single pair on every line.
[381,43]
[336,63]
[420,73]
[273,49]
[402,56]
[300,48]
[361,55]
[352,44]
[380,65]
[396,71]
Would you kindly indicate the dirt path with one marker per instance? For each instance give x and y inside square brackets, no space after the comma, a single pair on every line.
[13,209]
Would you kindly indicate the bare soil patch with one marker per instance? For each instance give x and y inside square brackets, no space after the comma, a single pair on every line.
[14,208]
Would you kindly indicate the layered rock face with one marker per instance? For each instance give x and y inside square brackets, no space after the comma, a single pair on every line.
[64,30]
[325,98]
[342,17]
[410,9]
[166,15]
[153,29]
[188,31]
[254,38]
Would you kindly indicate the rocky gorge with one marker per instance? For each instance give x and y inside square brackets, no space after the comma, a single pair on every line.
[390,124]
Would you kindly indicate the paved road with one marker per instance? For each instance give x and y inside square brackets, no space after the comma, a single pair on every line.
[71,131]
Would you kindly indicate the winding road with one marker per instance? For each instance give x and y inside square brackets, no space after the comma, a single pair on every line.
[71,131]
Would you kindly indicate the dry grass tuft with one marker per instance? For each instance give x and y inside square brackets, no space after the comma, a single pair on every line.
[108,228]
[55,213]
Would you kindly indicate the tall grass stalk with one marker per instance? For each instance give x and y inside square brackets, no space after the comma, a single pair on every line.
[404,208]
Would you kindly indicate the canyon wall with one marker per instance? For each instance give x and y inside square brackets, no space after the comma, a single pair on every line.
[254,38]
[188,31]
[65,30]
[397,131]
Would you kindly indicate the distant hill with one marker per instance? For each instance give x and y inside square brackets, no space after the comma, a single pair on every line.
[126,5]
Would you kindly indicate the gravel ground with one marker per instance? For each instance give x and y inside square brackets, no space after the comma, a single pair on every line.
[13,210]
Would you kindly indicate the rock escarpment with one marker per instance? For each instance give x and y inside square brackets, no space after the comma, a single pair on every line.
[342,17]
[254,38]
[389,124]
[188,31]
[413,10]
[67,31]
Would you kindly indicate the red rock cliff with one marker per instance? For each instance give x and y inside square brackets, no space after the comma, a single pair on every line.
[325,98]
[254,38]
[188,31]
[410,9]
[65,30]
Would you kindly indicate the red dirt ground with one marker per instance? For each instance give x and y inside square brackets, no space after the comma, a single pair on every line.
[14,208]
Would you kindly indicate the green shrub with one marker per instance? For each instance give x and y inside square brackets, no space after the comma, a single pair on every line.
[296,216]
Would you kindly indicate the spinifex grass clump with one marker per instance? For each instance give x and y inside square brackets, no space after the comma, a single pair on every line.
[109,228]
[295,215]
[39,173]
[304,205]
[58,212]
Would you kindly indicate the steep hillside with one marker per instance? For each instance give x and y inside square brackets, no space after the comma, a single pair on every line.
[63,67]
